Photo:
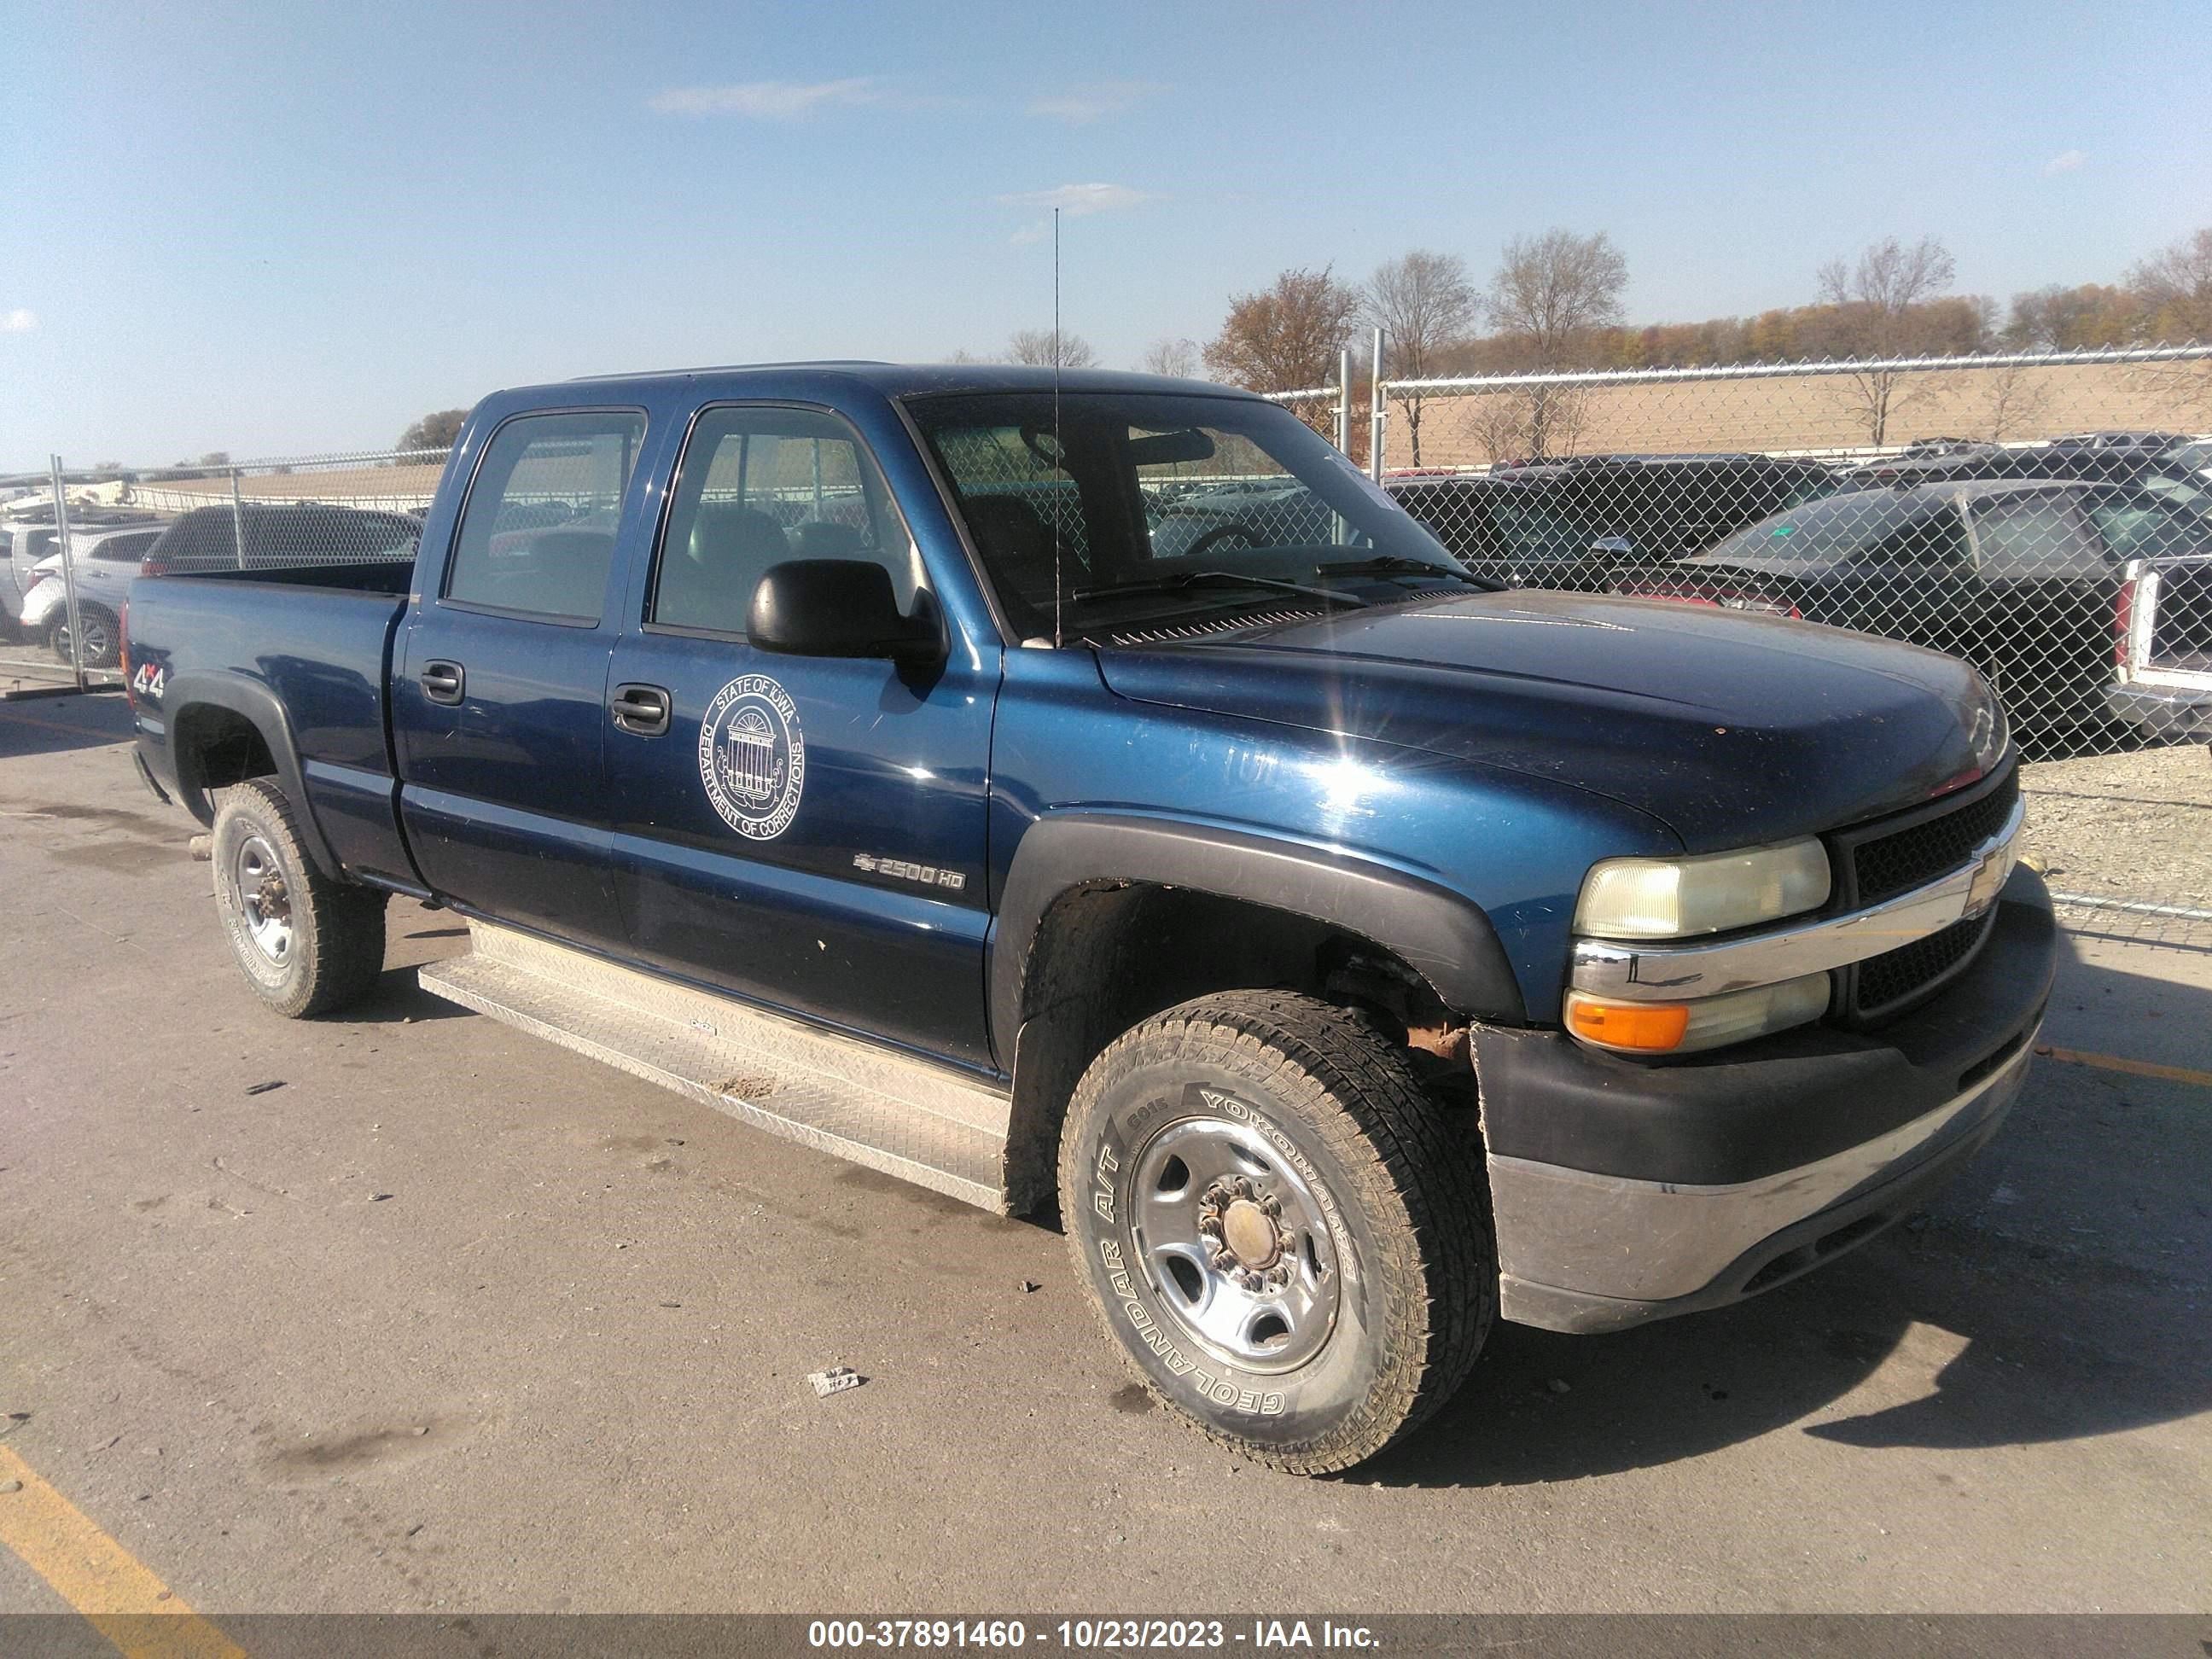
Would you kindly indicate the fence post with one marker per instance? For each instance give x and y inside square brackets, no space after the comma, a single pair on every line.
[1344,400]
[69,571]
[237,519]
[1374,415]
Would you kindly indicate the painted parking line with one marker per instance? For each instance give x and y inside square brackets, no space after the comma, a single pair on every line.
[118,1595]
[2132,1067]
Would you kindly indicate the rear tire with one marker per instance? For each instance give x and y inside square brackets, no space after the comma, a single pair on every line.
[102,637]
[307,945]
[1288,1239]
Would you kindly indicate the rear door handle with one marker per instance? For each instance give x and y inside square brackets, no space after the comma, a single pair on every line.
[443,682]
[641,710]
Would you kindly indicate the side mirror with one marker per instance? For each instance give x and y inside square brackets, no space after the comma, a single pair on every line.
[840,608]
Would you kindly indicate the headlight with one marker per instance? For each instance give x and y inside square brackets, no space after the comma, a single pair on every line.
[1676,898]
[1683,1028]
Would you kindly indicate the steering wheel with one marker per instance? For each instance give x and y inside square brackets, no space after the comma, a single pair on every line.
[1234,527]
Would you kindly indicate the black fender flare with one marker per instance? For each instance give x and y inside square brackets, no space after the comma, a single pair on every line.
[1441,935]
[261,708]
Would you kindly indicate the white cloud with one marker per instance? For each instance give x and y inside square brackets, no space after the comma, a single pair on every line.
[768,100]
[18,321]
[1031,232]
[2065,161]
[1091,103]
[1076,200]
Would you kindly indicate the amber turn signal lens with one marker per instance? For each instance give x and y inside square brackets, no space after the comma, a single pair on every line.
[1646,1028]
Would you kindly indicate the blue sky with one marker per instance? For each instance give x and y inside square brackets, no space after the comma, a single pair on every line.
[280,229]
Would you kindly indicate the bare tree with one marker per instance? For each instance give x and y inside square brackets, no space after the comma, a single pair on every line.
[1426,307]
[1550,294]
[1876,302]
[2172,292]
[1036,345]
[1178,359]
[2174,287]
[2016,398]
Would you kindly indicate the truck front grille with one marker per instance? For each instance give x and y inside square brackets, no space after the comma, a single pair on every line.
[1886,984]
[1886,865]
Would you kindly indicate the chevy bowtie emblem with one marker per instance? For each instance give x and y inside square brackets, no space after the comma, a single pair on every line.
[1990,878]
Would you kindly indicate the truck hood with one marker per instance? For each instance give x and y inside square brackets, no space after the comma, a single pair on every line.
[1732,729]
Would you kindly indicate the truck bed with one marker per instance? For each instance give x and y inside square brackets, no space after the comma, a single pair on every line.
[307,647]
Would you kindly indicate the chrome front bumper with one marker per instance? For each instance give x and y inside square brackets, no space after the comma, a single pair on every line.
[1585,1252]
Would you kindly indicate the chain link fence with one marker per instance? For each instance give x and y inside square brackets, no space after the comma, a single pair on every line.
[2047,517]
[71,544]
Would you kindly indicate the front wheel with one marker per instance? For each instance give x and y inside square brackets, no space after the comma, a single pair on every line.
[307,945]
[1288,1239]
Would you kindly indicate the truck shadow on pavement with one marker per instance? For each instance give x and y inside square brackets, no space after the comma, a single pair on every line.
[2047,1295]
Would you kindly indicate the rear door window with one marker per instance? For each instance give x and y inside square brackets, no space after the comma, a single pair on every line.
[2036,538]
[537,535]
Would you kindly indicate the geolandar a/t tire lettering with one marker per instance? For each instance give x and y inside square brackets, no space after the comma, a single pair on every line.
[1286,1236]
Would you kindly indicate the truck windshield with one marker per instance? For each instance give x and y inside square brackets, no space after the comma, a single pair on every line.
[1126,507]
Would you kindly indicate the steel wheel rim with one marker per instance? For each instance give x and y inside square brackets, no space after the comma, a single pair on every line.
[265,905]
[1235,1243]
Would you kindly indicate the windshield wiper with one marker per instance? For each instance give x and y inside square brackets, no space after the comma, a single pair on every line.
[1183,579]
[1397,564]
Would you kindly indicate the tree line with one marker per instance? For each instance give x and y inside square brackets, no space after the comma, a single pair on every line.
[1555,302]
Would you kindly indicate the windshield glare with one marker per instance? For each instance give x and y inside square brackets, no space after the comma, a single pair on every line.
[1119,490]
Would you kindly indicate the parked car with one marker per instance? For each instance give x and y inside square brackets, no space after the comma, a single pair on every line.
[2173,472]
[23,542]
[2023,579]
[1261,511]
[2123,440]
[103,564]
[1350,953]
[279,535]
[1509,529]
[2163,678]
[1569,523]
[29,538]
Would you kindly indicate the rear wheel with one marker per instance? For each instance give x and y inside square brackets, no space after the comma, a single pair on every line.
[1288,1239]
[306,945]
[101,640]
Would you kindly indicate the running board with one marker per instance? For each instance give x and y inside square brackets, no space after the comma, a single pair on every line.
[906,1117]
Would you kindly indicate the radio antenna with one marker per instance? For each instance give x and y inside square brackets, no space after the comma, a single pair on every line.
[1058,454]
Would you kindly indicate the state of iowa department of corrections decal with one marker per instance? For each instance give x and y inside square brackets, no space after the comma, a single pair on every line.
[752,756]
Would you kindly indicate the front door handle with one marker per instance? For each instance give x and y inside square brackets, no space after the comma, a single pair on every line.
[443,682]
[641,710]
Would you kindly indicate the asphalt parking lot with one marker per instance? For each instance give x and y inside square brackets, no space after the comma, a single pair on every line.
[410,1311]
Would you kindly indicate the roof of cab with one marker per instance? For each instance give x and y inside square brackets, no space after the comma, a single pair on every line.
[914,379]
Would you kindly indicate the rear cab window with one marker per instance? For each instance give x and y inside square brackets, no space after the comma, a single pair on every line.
[536,536]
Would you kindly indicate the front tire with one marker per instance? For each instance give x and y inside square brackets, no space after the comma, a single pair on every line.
[307,945]
[1287,1238]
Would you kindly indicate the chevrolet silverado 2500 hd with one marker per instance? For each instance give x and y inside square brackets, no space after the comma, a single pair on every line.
[1354,953]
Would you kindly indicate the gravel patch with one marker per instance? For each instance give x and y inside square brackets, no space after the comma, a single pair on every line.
[2133,828]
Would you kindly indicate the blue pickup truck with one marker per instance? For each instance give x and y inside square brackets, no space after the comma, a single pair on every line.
[1350,952]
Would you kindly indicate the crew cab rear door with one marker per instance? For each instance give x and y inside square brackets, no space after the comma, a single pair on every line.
[807,832]
[498,702]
